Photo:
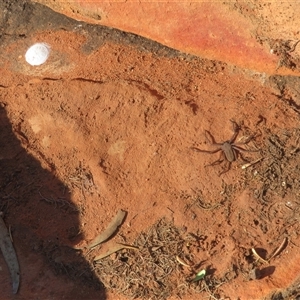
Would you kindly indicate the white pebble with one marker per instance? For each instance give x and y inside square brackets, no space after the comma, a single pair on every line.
[37,54]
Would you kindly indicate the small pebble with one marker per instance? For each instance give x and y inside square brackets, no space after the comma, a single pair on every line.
[254,274]
[37,54]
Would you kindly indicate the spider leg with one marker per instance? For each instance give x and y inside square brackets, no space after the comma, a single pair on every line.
[234,146]
[219,160]
[251,137]
[242,157]
[209,137]
[235,131]
[206,151]
[246,141]
[226,169]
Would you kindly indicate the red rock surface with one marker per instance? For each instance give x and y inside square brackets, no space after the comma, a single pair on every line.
[215,30]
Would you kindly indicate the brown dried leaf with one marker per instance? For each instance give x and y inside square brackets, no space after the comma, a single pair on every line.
[109,231]
[10,256]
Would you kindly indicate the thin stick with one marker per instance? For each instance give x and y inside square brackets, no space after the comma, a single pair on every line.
[258,257]
[279,249]
[182,262]
[114,249]
[9,231]
[245,166]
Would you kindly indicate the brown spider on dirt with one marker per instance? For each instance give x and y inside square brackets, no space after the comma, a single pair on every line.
[230,149]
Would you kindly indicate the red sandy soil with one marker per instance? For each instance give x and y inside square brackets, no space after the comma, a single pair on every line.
[108,124]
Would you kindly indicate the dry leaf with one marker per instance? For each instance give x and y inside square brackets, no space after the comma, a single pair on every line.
[10,256]
[109,231]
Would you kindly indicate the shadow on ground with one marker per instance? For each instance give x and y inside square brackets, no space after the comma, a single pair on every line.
[44,224]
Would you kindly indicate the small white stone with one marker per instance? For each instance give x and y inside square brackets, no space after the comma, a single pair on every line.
[37,54]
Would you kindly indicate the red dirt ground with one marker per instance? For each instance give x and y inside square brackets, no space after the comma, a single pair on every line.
[108,123]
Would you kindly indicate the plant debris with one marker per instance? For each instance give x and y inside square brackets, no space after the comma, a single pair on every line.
[200,275]
[113,249]
[158,270]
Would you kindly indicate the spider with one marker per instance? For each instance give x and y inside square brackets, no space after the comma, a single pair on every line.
[230,149]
